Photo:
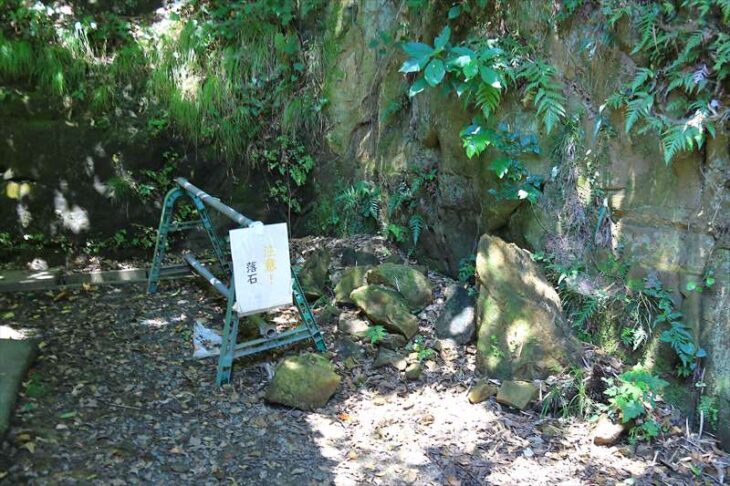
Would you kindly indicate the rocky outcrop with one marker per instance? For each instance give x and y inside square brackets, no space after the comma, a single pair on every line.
[386,307]
[313,275]
[351,278]
[407,281]
[521,332]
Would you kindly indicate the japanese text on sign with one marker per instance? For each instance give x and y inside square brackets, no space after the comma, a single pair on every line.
[261,268]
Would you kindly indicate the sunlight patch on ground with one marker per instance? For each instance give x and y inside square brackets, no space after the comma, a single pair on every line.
[7,332]
[407,433]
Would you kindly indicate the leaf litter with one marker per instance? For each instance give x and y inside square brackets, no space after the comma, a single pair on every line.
[115,398]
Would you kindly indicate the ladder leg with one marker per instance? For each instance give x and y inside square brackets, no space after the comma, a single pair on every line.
[214,239]
[161,243]
[306,312]
[228,344]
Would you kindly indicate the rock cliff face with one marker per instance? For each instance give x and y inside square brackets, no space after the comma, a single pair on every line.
[673,220]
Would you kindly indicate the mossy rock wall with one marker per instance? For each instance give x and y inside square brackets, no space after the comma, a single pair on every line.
[669,219]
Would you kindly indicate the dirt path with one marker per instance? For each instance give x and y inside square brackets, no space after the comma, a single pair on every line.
[114,399]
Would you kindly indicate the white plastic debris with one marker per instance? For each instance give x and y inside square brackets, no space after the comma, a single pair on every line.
[206,342]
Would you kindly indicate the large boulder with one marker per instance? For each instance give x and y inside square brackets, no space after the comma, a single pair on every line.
[457,320]
[386,307]
[521,329]
[351,279]
[305,382]
[313,275]
[408,281]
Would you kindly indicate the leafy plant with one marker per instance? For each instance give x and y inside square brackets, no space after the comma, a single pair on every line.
[687,51]
[289,165]
[709,407]
[375,334]
[632,397]
[543,88]
[419,347]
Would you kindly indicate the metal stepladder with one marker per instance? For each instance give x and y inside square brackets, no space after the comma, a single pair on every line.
[230,348]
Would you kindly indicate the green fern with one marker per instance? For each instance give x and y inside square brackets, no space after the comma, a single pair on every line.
[642,76]
[721,54]
[645,24]
[678,138]
[546,92]
[487,99]
[416,225]
[637,108]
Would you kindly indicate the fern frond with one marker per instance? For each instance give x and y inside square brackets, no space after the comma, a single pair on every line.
[642,76]
[725,9]
[587,310]
[679,138]
[638,108]
[487,99]
[416,225]
[645,24]
[721,54]
[546,92]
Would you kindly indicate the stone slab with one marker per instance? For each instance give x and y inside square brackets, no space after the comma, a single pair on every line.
[21,280]
[16,357]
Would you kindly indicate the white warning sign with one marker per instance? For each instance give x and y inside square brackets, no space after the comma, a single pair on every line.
[261,267]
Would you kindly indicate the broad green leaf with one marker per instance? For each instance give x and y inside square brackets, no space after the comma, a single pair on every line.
[418,86]
[631,410]
[491,53]
[691,286]
[454,12]
[435,72]
[411,65]
[443,38]
[460,57]
[500,166]
[418,49]
[490,76]
[459,87]
[471,69]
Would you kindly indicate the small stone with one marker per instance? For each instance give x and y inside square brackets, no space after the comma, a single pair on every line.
[457,320]
[606,432]
[349,323]
[549,430]
[350,363]
[516,394]
[386,356]
[482,391]
[392,341]
[413,371]
[346,348]
[351,257]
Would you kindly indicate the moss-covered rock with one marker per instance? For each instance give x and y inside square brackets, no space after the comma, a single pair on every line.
[386,307]
[305,382]
[516,394]
[351,279]
[313,275]
[521,330]
[407,281]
